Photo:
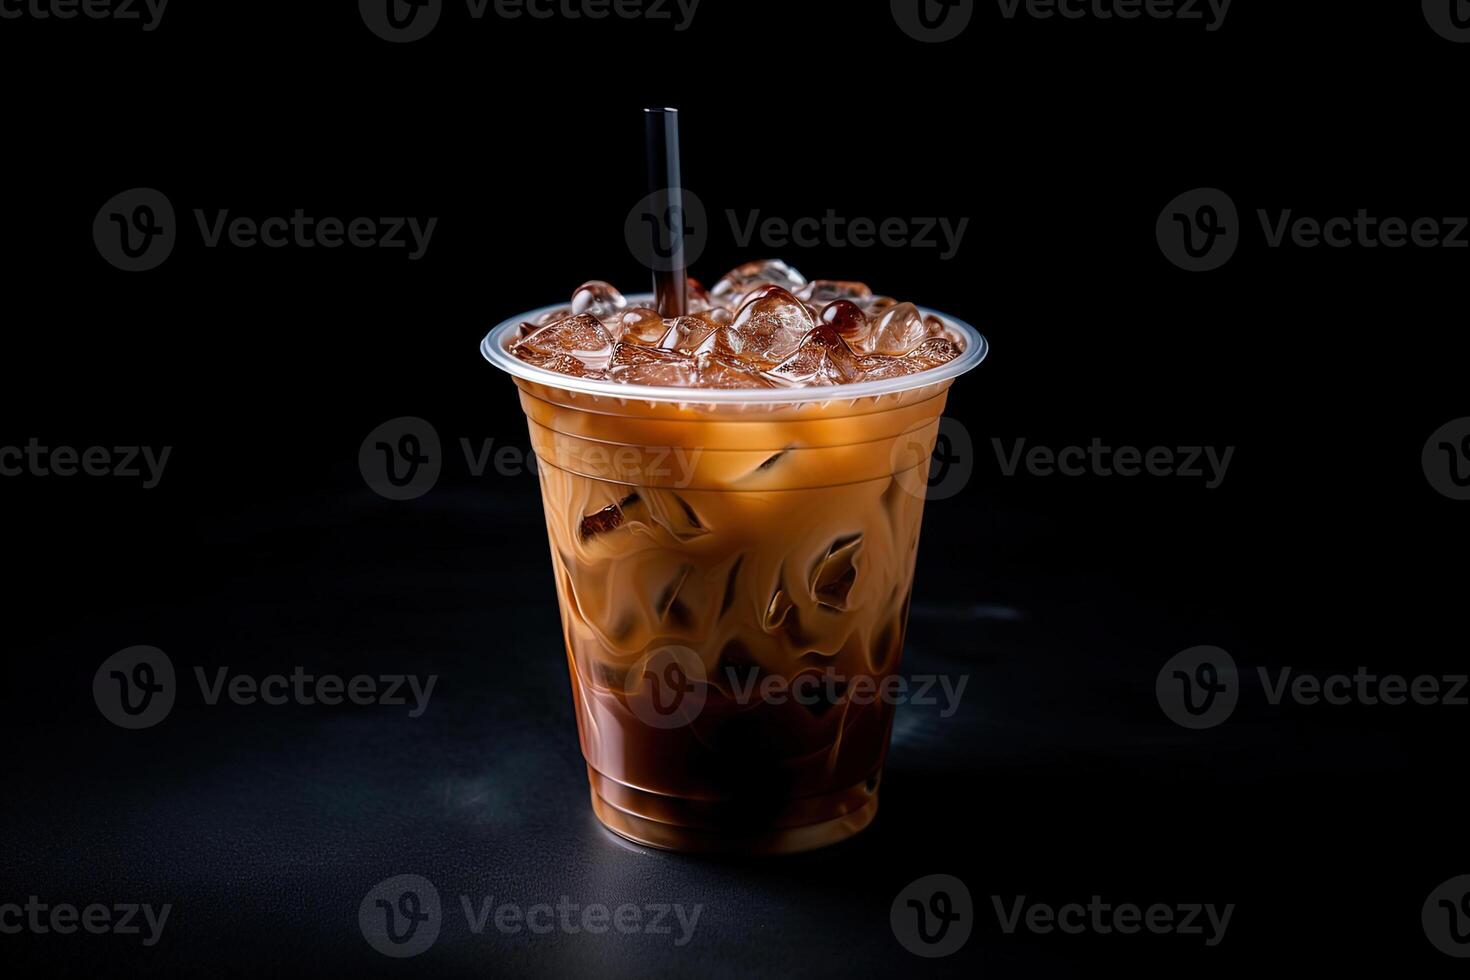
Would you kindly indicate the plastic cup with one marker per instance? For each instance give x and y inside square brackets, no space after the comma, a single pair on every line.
[734,570]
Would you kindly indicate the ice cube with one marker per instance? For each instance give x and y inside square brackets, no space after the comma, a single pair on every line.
[638,364]
[777,610]
[822,359]
[897,331]
[599,299]
[668,605]
[719,371]
[769,328]
[640,325]
[929,354]
[610,518]
[834,576]
[718,342]
[820,292]
[687,332]
[668,510]
[847,319]
[934,352]
[881,367]
[761,292]
[771,460]
[740,280]
[560,363]
[876,306]
[936,328]
[582,337]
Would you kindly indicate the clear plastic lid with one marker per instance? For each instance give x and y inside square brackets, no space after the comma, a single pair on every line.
[496,345]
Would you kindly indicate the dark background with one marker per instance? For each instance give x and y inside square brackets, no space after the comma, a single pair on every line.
[1324,549]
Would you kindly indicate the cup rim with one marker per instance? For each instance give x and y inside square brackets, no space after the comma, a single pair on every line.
[494,345]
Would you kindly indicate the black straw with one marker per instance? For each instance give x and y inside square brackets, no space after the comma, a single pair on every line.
[661,131]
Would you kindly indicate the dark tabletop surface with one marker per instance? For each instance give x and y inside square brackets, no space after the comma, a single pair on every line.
[1058,777]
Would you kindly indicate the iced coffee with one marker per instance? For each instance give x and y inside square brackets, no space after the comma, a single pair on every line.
[733,500]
